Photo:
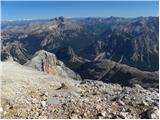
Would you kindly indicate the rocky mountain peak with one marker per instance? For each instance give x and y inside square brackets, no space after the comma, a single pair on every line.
[71,53]
[58,19]
[72,56]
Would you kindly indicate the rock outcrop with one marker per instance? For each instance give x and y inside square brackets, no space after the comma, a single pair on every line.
[68,54]
[70,57]
[48,62]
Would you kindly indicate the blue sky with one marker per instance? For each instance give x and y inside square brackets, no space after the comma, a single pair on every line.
[15,10]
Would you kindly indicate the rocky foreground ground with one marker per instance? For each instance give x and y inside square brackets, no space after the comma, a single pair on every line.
[27,93]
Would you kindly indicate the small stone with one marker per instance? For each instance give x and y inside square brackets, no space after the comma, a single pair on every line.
[18,92]
[131,103]
[121,102]
[1,109]
[74,116]
[52,101]
[98,107]
[110,116]
[11,107]
[63,86]
[123,115]
[127,97]
[114,113]
[43,103]
[123,109]
[94,93]
[7,107]
[23,86]
[134,98]
[116,117]
[99,99]
[44,98]
[85,114]
[75,94]
[43,117]
[109,110]
[34,100]
[23,114]
[36,114]
[42,113]
[128,110]
[130,116]
[33,109]
[46,94]
[5,112]
[144,103]
[101,115]
[153,114]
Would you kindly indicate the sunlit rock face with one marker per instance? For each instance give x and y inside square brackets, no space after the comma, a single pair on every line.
[48,62]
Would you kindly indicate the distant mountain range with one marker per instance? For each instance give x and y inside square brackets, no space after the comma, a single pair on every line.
[82,42]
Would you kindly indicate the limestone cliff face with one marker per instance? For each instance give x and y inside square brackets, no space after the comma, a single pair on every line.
[48,62]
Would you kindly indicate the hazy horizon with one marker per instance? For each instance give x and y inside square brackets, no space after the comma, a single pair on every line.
[25,19]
